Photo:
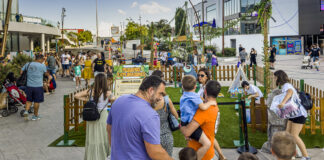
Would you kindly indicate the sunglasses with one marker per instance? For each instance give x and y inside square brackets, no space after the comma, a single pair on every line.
[201,75]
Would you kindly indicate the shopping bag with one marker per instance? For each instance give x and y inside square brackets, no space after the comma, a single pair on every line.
[290,110]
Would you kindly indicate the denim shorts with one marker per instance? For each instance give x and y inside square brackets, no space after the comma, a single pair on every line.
[65,66]
[35,94]
[314,58]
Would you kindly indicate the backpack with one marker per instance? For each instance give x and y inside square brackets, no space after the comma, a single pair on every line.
[90,110]
[22,80]
[306,100]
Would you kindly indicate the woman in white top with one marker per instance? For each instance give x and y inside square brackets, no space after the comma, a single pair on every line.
[294,125]
[97,145]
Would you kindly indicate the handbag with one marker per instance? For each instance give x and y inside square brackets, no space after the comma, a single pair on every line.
[22,80]
[290,110]
[90,110]
[173,122]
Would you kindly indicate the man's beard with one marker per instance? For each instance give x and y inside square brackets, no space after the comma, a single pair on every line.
[153,101]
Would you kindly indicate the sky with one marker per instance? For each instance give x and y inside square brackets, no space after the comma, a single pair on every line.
[81,14]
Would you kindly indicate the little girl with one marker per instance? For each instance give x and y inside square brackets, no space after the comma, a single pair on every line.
[77,74]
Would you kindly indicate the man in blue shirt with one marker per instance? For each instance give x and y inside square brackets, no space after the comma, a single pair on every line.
[34,89]
[133,125]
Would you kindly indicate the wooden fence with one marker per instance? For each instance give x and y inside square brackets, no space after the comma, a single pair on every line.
[73,109]
[258,115]
[220,73]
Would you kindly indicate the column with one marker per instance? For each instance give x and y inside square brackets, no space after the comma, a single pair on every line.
[31,43]
[48,45]
[43,43]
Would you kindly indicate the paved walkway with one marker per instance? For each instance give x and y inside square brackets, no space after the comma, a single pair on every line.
[29,140]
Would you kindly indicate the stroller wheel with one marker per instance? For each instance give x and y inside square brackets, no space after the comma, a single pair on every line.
[14,109]
[5,113]
[22,113]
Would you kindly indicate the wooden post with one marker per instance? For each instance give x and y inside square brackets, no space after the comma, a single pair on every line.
[216,73]
[66,118]
[322,115]
[254,75]
[224,72]
[213,71]
[313,125]
[252,114]
[76,114]
[248,72]
[175,75]
[220,73]
[232,72]
[264,115]
[228,73]
[170,78]
[165,73]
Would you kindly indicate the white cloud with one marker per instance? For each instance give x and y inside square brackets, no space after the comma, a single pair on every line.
[153,8]
[104,29]
[121,12]
[134,4]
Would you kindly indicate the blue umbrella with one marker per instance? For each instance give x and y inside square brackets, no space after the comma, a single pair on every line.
[214,23]
[201,24]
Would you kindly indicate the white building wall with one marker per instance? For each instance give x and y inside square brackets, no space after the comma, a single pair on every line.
[247,41]
[285,12]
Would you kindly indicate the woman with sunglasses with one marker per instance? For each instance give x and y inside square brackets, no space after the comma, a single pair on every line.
[161,108]
[203,78]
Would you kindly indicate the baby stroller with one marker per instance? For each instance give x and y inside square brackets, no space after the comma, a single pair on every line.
[14,99]
[306,62]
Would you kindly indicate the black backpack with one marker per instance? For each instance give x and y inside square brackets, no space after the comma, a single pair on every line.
[90,110]
[22,80]
[306,100]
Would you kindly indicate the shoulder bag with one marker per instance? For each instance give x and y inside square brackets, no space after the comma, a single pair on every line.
[173,122]
[22,80]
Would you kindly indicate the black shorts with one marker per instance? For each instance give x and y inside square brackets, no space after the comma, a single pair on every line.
[299,120]
[196,134]
[242,61]
[272,59]
[35,94]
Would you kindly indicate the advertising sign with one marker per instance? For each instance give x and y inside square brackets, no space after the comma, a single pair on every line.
[322,5]
[131,71]
[126,86]
[115,31]
[290,47]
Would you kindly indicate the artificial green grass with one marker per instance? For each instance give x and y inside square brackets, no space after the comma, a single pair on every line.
[228,129]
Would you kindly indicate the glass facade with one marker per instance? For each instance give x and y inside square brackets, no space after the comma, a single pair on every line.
[211,12]
[248,26]
[231,7]
[3,9]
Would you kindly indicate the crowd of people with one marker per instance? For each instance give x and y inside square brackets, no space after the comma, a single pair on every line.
[143,131]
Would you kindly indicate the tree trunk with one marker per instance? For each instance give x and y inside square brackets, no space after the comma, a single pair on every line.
[266,56]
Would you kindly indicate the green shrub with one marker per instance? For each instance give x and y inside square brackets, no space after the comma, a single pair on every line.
[213,48]
[228,52]
[14,66]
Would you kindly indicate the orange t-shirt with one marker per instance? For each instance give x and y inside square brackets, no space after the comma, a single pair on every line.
[206,120]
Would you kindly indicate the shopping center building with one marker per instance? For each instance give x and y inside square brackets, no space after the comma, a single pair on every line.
[295,24]
[27,32]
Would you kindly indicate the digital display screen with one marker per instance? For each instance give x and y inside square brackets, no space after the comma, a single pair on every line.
[322,5]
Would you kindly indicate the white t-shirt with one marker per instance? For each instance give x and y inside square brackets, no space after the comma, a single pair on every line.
[165,55]
[253,90]
[65,59]
[162,56]
[288,86]
[201,90]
